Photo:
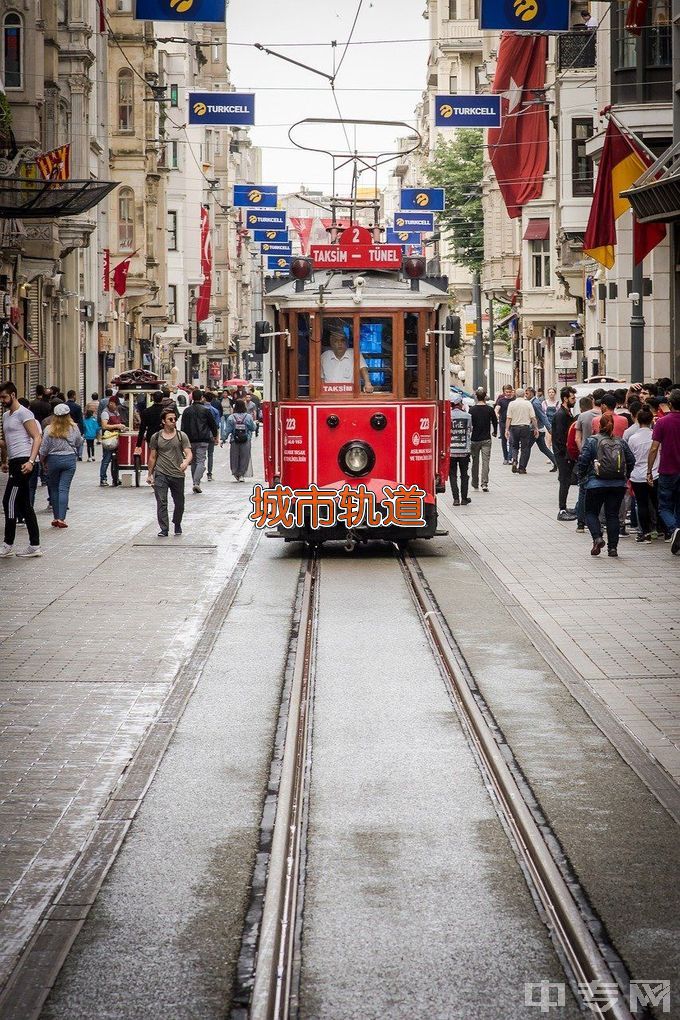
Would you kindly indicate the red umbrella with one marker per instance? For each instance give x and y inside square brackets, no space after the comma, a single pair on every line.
[236,382]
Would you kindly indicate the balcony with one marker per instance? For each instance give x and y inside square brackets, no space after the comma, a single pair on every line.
[461,35]
[576,50]
[655,197]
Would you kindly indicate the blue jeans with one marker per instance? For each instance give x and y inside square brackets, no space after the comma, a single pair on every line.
[540,442]
[108,457]
[669,501]
[60,472]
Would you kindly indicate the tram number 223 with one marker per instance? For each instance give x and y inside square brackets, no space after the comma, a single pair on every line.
[290,424]
[424,424]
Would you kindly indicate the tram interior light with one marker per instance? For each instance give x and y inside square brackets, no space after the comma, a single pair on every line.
[414,267]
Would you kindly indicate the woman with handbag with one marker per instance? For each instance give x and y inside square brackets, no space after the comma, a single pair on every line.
[61,444]
[111,425]
[239,430]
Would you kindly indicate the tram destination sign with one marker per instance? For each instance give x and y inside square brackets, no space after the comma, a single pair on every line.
[264,196]
[271,219]
[429,199]
[357,256]
[467,111]
[414,222]
[221,108]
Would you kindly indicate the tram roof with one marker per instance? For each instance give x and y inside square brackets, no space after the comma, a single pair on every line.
[380,288]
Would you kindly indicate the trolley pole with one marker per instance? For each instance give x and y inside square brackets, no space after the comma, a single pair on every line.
[478,352]
[491,380]
[637,329]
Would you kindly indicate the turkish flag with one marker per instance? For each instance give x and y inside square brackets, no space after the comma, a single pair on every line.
[519,147]
[120,274]
[302,225]
[636,16]
[203,303]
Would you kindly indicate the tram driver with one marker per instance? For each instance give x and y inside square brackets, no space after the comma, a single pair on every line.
[337,363]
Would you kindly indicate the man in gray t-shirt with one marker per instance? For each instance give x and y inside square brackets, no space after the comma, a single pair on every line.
[18,453]
[169,457]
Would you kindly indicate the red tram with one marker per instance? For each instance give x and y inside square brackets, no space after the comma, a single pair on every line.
[356,380]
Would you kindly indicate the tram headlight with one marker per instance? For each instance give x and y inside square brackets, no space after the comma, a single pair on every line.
[356,458]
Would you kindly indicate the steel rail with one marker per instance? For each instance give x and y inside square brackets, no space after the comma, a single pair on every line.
[276,946]
[565,920]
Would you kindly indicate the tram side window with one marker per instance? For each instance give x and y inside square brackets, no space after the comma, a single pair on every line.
[303,354]
[337,356]
[410,355]
[376,349]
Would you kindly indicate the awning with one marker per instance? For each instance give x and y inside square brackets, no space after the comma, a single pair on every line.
[29,199]
[537,230]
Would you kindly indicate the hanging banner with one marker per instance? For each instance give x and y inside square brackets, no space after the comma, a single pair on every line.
[421,223]
[274,220]
[276,249]
[402,237]
[467,111]
[303,226]
[236,108]
[262,195]
[203,303]
[56,164]
[275,236]
[525,15]
[423,198]
[106,270]
[181,10]
[279,263]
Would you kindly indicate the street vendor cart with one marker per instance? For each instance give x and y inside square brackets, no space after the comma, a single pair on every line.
[135,389]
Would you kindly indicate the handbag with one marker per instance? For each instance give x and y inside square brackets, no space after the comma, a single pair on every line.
[110,440]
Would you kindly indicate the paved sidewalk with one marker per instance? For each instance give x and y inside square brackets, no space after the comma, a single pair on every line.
[91,637]
[616,621]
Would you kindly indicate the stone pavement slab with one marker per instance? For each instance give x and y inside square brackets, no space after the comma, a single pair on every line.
[91,637]
[617,621]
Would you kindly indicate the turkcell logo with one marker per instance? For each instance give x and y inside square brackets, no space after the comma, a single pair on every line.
[221,108]
[276,249]
[421,223]
[269,236]
[423,198]
[467,111]
[181,10]
[525,15]
[272,219]
[262,195]
[402,237]
[280,263]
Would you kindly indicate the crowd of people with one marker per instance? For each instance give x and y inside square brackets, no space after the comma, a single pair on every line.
[42,441]
[620,450]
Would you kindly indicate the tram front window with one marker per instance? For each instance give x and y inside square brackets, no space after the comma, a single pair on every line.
[337,358]
[375,347]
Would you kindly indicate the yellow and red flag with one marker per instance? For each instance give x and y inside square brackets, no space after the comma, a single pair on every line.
[56,164]
[621,164]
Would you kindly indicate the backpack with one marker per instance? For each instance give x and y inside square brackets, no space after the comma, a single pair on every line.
[240,430]
[573,451]
[610,464]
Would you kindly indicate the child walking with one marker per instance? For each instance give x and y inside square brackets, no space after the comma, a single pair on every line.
[91,426]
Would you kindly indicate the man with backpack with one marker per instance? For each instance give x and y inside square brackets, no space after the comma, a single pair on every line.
[605,464]
[200,426]
[460,445]
[169,457]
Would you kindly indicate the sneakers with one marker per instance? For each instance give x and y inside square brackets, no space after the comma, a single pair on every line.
[209,477]
[643,538]
[465,501]
[521,471]
[675,542]
[580,529]
[61,524]
[566,515]
[506,463]
[197,488]
[623,532]
[598,546]
[162,534]
[456,502]
[104,482]
[476,487]
[612,552]
[30,551]
[515,469]
[178,529]
[6,551]
[485,488]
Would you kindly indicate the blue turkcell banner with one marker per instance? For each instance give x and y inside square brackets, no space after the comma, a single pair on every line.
[221,108]
[184,10]
[276,249]
[273,219]
[421,223]
[525,15]
[402,237]
[423,198]
[467,111]
[281,263]
[262,195]
[275,236]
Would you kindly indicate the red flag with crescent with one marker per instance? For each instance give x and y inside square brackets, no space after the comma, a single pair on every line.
[203,303]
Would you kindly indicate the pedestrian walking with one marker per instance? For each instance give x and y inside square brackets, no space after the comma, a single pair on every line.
[111,425]
[666,442]
[460,450]
[550,405]
[169,457]
[240,428]
[19,453]
[215,408]
[150,420]
[565,465]
[520,426]
[483,421]
[606,461]
[61,443]
[91,431]
[40,407]
[646,495]
[574,445]
[200,426]
[253,409]
[501,408]
[544,426]
[76,412]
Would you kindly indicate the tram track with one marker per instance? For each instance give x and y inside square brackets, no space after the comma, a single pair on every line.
[270,963]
